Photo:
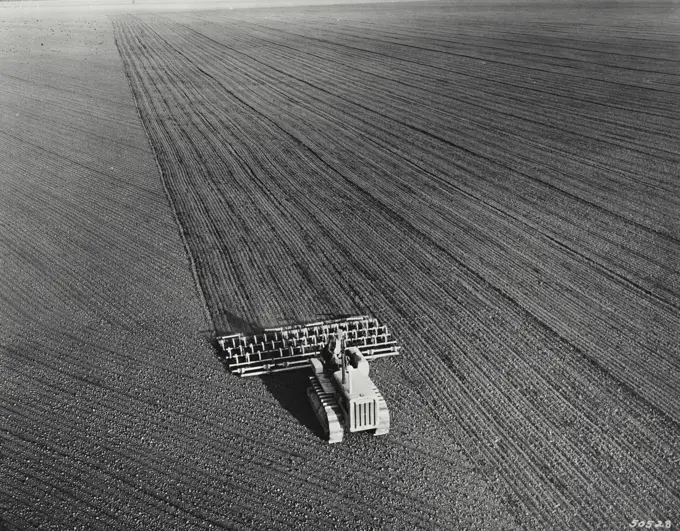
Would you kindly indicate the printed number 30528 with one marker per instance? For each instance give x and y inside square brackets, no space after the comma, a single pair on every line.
[651,523]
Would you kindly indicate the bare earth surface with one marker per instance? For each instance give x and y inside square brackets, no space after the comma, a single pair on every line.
[497,181]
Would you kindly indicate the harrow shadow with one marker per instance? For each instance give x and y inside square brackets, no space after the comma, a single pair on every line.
[290,391]
[288,388]
[234,324]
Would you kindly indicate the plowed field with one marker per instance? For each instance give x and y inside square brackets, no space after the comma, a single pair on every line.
[496,181]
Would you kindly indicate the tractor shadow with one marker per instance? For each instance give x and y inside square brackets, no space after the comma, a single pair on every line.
[288,388]
[290,391]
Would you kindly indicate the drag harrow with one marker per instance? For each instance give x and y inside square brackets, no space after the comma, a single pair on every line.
[291,348]
[341,393]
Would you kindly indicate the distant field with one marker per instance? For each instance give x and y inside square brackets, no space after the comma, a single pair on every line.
[497,181]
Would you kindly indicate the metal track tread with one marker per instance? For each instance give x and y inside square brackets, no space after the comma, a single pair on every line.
[290,348]
[383,414]
[332,420]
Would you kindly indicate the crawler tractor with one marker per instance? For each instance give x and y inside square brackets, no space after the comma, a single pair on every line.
[341,392]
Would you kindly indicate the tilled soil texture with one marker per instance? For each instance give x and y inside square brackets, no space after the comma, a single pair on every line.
[496,181]
[103,353]
[114,411]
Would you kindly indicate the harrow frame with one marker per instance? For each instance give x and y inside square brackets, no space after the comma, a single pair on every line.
[290,348]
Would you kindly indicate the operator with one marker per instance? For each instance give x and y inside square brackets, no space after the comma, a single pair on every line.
[335,350]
